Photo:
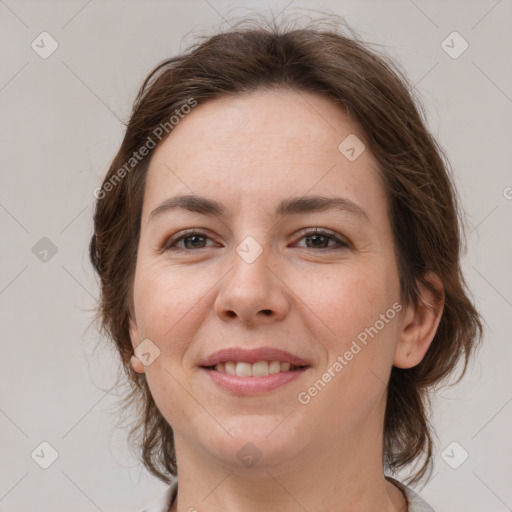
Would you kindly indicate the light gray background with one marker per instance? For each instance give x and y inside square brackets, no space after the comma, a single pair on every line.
[61,128]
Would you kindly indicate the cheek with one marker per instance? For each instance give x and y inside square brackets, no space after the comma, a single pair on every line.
[356,303]
[350,298]
[166,301]
[359,345]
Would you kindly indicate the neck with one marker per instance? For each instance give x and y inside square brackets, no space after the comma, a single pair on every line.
[347,477]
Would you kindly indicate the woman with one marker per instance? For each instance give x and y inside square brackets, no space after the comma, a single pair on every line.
[277,242]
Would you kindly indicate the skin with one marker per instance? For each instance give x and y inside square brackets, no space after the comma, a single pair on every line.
[249,153]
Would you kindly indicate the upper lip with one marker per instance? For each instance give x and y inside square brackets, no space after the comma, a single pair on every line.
[253,356]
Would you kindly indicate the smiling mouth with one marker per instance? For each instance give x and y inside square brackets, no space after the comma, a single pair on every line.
[257,369]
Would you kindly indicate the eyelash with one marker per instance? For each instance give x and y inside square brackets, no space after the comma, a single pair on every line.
[169,246]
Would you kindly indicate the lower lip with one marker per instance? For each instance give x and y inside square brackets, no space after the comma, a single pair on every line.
[252,385]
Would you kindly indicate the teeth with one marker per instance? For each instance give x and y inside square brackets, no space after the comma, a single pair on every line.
[243,369]
[258,369]
[274,367]
[230,368]
[285,367]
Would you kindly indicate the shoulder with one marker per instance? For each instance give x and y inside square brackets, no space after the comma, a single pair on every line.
[163,502]
[416,504]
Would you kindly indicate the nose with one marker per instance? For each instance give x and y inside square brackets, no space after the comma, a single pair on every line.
[252,292]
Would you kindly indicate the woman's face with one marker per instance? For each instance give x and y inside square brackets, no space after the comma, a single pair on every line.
[257,278]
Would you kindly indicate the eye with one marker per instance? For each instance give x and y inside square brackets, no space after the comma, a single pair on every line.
[317,239]
[191,239]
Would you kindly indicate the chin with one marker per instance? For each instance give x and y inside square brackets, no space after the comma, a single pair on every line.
[258,441]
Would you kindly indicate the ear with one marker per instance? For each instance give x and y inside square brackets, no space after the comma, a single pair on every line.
[136,365]
[420,323]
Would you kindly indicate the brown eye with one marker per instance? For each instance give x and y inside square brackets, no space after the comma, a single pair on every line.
[319,239]
[191,240]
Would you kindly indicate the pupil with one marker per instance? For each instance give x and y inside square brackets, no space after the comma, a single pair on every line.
[315,237]
[196,238]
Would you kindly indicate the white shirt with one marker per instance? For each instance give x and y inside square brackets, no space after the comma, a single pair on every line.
[164,501]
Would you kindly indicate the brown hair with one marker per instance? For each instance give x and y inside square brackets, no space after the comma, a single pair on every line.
[423,207]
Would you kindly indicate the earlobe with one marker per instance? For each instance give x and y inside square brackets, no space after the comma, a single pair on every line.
[135,364]
[420,323]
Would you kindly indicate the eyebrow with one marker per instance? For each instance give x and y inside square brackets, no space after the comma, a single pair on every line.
[292,206]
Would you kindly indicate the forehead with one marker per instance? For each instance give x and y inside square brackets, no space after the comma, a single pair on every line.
[260,146]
